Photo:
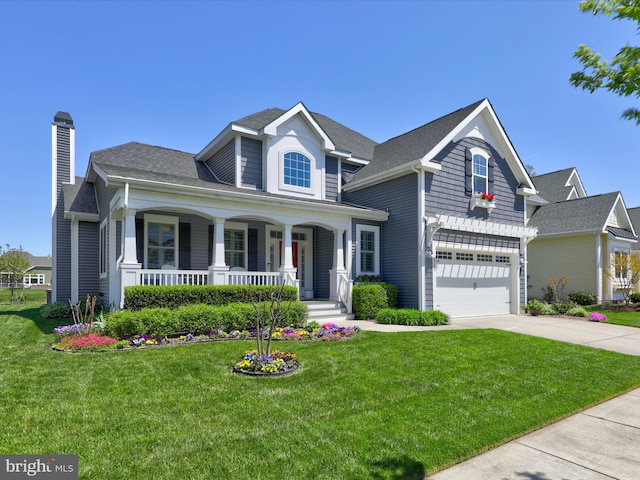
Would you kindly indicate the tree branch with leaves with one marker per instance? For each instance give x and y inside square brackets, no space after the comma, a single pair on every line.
[13,265]
[621,75]
[624,272]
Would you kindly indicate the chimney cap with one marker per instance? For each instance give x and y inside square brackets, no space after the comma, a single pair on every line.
[63,117]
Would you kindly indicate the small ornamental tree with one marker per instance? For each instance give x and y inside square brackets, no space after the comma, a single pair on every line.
[269,313]
[13,264]
[624,272]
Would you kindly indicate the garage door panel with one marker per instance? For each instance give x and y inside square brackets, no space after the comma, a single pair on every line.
[472,288]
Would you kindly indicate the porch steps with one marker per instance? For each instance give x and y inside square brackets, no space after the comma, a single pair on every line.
[323,311]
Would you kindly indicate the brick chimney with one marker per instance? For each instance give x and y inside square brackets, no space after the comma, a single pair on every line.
[63,166]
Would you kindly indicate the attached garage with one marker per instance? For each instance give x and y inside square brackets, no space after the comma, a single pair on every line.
[471,284]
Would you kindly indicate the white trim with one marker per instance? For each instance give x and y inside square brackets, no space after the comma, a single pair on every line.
[299,108]
[310,190]
[72,156]
[112,262]
[103,249]
[210,149]
[427,166]
[376,236]
[251,198]
[485,155]
[74,259]
[238,151]
[452,222]
[422,255]
[599,268]
[166,219]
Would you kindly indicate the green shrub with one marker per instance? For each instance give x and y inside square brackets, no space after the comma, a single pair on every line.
[196,319]
[582,298]
[578,311]
[369,299]
[411,317]
[56,310]
[152,296]
[561,308]
[635,298]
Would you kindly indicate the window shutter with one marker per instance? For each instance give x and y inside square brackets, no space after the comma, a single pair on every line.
[140,240]
[252,249]
[210,245]
[490,164]
[184,255]
[468,173]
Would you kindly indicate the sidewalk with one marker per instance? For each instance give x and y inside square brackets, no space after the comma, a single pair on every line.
[596,444]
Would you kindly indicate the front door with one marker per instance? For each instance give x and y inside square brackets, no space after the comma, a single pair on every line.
[301,251]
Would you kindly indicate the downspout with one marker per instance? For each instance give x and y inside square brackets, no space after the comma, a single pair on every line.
[422,270]
[598,267]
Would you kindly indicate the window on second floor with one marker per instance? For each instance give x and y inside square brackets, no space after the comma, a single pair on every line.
[480,174]
[297,170]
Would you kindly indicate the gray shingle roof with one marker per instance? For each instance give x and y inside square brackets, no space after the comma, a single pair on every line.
[552,186]
[343,137]
[79,197]
[413,145]
[582,215]
[156,164]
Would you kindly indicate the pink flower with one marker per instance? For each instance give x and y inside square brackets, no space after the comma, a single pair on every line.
[597,317]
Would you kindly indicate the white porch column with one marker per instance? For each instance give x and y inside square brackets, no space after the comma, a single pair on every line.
[129,267]
[75,227]
[219,267]
[338,272]
[288,271]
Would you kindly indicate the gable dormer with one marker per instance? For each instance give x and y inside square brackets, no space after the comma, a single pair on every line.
[294,149]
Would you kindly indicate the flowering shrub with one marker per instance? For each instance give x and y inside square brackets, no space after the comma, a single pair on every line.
[86,342]
[597,317]
[276,362]
[72,329]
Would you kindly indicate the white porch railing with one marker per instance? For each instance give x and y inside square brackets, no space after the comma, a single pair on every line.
[174,277]
[252,278]
[345,291]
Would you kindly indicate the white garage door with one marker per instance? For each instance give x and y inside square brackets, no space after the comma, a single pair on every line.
[472,284]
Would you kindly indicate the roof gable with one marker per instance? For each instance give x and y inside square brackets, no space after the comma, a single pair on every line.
[419,147]
[336,138]
[582,215]
[560,185]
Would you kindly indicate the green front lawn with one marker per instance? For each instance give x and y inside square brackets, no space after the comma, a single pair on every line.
[629,319]
[383,406]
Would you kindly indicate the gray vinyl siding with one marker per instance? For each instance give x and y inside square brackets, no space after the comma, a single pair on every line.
[223,163]
[62,255]
[398,235]
[87,259]
[103,197]
[261,255]
[251,163]
[323,261]
[445,190]
[331,179]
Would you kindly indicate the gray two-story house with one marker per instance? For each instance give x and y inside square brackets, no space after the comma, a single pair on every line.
[294,197]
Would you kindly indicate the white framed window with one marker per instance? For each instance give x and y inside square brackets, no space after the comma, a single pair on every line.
[621,264]
[33,279]
[479,170]
[296,170]
[161,241]
[367,250]
[235,245]
[102,250]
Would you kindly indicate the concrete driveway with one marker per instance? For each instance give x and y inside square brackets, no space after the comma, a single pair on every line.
[602,442]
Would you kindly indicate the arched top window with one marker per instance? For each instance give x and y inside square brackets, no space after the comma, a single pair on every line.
[480,173]
[297,170]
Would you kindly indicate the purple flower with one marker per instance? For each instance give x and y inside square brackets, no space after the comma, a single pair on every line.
[597,317]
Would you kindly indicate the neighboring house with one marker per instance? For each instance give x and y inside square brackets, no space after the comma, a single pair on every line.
[39,273]
[577,236]
[293,196]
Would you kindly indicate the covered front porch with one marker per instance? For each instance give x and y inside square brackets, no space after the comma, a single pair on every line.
[186,248]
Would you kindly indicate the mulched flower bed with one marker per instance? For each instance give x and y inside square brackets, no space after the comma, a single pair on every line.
[277,364]
[79,338]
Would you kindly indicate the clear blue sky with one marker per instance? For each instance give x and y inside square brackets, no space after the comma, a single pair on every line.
[175,74]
